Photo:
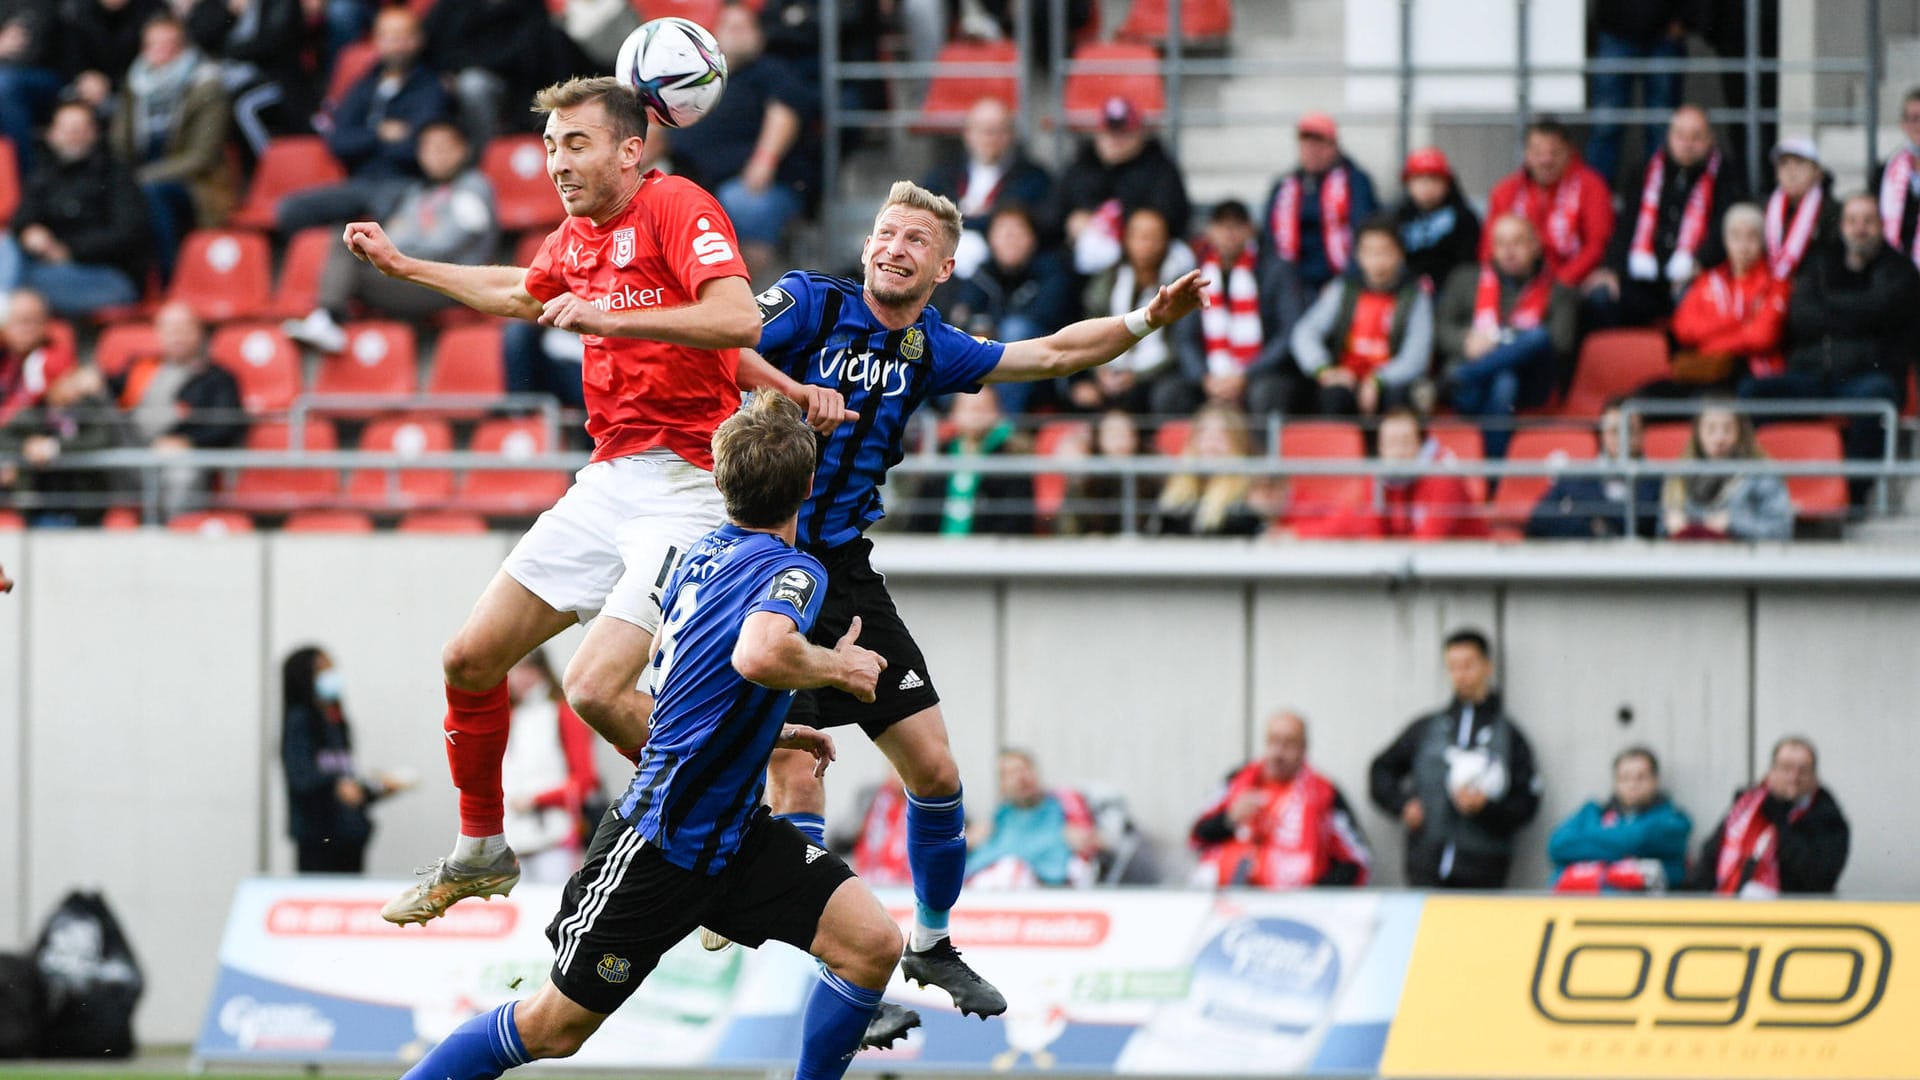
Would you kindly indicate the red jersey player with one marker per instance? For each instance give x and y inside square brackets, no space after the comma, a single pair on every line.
[646,269]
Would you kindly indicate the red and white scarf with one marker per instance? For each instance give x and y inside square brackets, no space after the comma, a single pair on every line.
[1787,244]
[1290,842]
[1336,230]
[1748,837]
[1230,323]
[1562,232]
[1528,309]
[1896,183]
[1641,263]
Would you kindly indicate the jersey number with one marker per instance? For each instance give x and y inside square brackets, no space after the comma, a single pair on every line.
[668,641]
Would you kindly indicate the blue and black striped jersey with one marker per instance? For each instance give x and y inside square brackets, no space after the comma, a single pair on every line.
[818,330]
[705,764]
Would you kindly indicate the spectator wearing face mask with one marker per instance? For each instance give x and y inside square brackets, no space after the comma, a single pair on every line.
[327,796]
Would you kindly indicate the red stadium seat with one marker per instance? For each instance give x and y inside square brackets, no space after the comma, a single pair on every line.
[211,523]
[1615,363]
[263,361]
[351,62]
[523,195]
[379,361]
[301,265]
[1126,70]
[511,491]
[1666,442]
[11,521]
[9,181]
[704,12]
[120,519]
[1464,442]
[1318,496]
[1514,499]
[328,521]
[950,96]
[1050,489]
[121,344]
[284,488]
[1813,496]
[529,244]
[442,521]
[291,163]
[224,274]
[1200,20]
[467,361]
[1170,438]
[408,436]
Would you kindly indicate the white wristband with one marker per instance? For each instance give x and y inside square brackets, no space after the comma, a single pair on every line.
[1137,323]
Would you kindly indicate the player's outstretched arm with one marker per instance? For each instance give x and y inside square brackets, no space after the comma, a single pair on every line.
[724,316]
[774,653]
[1092,342]
[496,290]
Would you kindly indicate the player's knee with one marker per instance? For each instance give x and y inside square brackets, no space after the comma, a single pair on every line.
[551,1029]
[589,696]
[468,667]
[935,779]
[875,950]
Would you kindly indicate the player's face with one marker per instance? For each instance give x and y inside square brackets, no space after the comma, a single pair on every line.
[585,159]
[906,256]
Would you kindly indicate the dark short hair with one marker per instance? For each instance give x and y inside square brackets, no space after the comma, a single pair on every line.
[763,459]
[626,113]
[448,126]
[1013,208]
[1468,635]
[1230,212]
[1639,751]
[1551,127]
[1404,412]
[1385,226]
[1795,740]
[1913,95]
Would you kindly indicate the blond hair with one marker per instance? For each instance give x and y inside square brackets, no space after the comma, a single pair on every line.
[1211,498]
[626,114]
[909,194]
[763,459]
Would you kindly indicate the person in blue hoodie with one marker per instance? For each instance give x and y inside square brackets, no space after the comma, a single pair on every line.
[1636,841]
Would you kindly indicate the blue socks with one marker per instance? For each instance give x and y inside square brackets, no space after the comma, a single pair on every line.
[831,1027]
[481,1049]
[937,855]
[813,825]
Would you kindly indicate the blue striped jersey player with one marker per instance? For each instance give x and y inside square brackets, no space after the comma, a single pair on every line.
[690,843]
[863,356]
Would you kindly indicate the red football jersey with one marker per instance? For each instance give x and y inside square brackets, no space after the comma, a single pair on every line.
[670,240]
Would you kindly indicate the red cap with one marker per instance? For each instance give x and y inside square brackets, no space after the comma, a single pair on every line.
[1426,161]
[1319,124]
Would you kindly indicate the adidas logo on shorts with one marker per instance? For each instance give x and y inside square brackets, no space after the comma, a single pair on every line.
[912,681]
[814,853]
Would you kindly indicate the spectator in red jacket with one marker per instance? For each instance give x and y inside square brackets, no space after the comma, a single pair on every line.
[1734,317]
[1567,201]
[1278,823]
[1435,506]
[30,360]
[880,850]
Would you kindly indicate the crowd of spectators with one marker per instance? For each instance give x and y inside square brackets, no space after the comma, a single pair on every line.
[1461,781]
[135,122]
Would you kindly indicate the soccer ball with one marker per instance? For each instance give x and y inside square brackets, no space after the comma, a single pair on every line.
[676,67]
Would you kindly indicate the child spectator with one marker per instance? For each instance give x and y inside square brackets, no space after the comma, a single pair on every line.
[1635,841]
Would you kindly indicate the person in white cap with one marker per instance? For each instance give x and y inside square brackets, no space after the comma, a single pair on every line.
[1801,214]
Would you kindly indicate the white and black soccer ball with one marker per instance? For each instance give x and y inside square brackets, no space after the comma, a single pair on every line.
[676,67]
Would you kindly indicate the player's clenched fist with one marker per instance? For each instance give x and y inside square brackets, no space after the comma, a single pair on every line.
[860,668]
[825,408]
[569,312]
[369,243]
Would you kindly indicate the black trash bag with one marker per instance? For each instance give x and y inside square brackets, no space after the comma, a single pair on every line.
[23,1003]
[91,978]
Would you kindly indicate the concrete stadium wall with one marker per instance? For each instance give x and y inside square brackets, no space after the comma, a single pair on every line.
[139,693]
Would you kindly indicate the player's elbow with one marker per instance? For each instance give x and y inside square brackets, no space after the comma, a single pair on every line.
[755,661]
[737,328]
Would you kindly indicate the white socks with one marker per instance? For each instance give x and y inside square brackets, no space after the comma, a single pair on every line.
[925,937]
[478,850]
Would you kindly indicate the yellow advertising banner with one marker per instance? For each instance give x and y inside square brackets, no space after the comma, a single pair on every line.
[1632,987]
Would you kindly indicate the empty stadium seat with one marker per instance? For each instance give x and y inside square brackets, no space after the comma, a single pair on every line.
[1813,496]
[1138,81]
[408,436]
[211,523]
[298,290]
[286,488]
[328,521]
[291,163]
[9,181]
[1516,496]
[523,194]
[467,361]
[527,246]
[1200,21]
[511,491]
[121,344]
[1321,495]
[1615,363]
[949,96]
[1050,489]
[442,521]
[120,519]
[1463,441]
[1666,441]
[223,274]
[379,361]
[263,361]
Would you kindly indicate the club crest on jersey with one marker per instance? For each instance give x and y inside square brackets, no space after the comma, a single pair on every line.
[622,246]
[914,345]
[614,969]
[794,587]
